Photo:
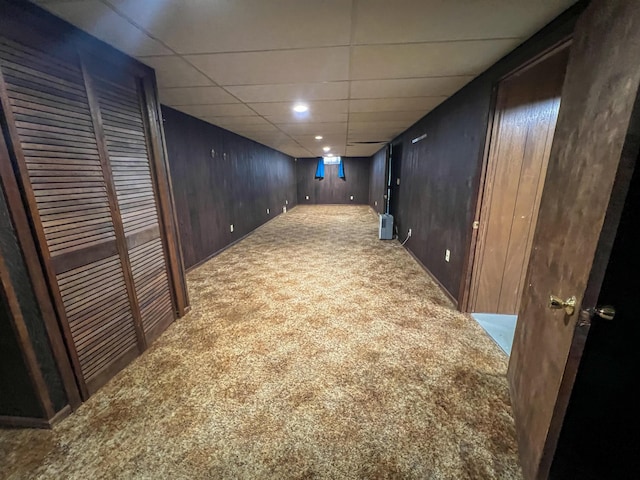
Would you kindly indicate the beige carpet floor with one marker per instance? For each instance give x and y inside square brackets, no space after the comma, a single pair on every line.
[313,350]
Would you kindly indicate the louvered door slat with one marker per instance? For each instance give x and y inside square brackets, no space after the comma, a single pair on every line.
[129,159]
[54,125]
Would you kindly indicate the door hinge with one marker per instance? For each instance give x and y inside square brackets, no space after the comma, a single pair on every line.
[476,225]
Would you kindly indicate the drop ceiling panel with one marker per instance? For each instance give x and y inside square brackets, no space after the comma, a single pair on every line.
[427,59]
[411,117]
[383,126]
[272,138]
[276,66]
[367,68]
[421,104]
[203,26]
[313,128]
[311,118]
[411,87]
[330,140]
[195,96]
[174,71]
[240,121]
[315,108]
[230,110]
[296,152]
[400,21]
[362,151]
[291,92]
[252,129]
[105,24]
[369,137]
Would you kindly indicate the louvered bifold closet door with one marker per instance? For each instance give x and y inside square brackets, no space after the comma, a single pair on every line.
[124,131]
[47,110]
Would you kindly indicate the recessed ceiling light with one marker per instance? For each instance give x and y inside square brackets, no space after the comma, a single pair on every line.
[300,108]
[326,149]
[319,137]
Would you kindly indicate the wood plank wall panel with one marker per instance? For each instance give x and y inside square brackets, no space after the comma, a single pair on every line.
[332,189]
[234,186]
[378,181]
[441,174]
[126,142]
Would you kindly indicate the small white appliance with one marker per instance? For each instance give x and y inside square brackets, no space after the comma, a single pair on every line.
[385,230]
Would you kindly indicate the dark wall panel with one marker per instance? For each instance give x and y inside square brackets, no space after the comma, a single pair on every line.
[331,189]
[441,173]
[13,380]
[17,395]
[220,179]
[378,181]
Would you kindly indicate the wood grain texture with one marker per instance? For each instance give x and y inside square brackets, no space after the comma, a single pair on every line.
[235,186]
[76,207]
[525,119]
[378,181]
[126,144]
[168,218]
[595,141]
[81,144]
[332,189]
[14,140]
[441,174]
[31,289]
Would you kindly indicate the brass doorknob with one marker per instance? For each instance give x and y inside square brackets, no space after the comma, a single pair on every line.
[606,312]
[569,305]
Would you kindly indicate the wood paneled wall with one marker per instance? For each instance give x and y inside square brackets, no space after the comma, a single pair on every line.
[222,179]
[378,181]
[441,173]
[332,189]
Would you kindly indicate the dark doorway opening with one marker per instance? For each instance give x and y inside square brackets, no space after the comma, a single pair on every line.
[600,436]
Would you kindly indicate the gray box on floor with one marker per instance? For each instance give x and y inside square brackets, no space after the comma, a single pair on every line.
[385,230]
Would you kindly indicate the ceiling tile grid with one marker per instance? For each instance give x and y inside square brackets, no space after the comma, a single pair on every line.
[366,69]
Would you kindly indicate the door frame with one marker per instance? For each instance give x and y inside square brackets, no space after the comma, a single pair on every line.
[487,176]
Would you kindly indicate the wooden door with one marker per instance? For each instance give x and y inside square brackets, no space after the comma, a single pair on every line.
[53,135]
[120,108]
[80,143]
[526,113]
[594,149]
[395,172]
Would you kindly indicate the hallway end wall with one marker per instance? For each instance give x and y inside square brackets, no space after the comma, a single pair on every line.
[332,189]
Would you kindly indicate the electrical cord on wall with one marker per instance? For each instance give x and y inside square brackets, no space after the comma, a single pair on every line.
[408,237]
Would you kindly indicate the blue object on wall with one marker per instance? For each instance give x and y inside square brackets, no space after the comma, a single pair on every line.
[320,169]
[341,170]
